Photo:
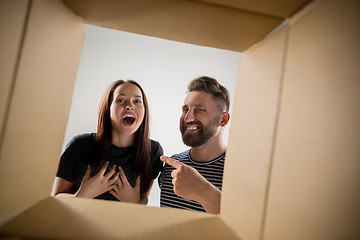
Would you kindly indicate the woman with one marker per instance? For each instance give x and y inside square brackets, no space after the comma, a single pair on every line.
[119,162]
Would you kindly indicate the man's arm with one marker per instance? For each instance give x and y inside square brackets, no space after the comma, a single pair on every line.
[210,199]
[190,184]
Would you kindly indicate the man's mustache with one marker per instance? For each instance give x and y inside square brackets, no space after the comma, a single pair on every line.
[184,124]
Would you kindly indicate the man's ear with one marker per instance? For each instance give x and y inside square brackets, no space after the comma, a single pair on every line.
[225,119]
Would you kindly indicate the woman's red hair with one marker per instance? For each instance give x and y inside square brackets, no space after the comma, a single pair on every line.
[141,165]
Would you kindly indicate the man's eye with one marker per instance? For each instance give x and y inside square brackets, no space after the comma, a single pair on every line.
[199,110]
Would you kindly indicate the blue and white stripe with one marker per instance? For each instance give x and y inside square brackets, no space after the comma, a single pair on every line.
[211,170]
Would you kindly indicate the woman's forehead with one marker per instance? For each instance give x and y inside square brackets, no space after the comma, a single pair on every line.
[128,89]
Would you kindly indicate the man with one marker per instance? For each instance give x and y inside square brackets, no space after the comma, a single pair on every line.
[193,179]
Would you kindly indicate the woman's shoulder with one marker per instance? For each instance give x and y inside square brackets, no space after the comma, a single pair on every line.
[156,152]
[155,145]
[156,148]
[83,140]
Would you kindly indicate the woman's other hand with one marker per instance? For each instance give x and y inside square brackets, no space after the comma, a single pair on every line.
[123,191]
[94,186]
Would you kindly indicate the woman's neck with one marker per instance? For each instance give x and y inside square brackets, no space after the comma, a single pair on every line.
[122,140]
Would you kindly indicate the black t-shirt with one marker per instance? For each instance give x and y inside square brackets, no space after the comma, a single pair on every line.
[84,150]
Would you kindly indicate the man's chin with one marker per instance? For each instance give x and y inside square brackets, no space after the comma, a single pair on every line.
[190,142]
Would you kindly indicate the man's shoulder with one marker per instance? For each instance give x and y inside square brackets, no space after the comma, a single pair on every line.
[181,156]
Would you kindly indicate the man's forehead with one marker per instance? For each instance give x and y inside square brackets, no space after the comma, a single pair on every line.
[197,98]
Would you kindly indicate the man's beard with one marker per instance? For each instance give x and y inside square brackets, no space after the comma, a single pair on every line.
[204,134]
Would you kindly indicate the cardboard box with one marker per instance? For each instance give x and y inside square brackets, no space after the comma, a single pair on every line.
[293,163]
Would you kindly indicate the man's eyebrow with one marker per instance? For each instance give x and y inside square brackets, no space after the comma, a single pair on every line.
[196,105]
[200,105]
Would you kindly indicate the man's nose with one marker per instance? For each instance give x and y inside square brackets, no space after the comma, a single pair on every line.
[189,116]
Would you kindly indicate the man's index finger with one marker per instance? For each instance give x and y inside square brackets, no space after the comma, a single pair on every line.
[171,161]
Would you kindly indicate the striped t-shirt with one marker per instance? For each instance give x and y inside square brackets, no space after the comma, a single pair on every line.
[211,170]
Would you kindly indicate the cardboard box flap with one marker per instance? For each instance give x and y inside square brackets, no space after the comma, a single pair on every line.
[13,16]
[251,140]
[65,218]
[299,159]
[39,104]
[278,8]
[316,166]
[184,21]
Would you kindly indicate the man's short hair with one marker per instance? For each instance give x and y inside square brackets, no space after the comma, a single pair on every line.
[210,85]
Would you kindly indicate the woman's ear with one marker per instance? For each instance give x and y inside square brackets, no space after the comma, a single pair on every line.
[225,119]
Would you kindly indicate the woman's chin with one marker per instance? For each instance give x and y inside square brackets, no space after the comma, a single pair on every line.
[128,130]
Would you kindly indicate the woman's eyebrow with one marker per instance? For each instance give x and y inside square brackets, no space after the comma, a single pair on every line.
[122,94]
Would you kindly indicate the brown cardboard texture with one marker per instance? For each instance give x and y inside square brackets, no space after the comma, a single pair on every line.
[278,8]
[185,21]
[251,139]
[292,167]
[14,14]
[39,101]
[316,162]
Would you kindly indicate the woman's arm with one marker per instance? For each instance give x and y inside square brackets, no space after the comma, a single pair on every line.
[144,198]
[90,186]
[147,193]
[63,188]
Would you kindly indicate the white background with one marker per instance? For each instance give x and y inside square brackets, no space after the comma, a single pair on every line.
[163,68]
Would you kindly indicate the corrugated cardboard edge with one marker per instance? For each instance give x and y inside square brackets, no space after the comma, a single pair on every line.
[249,155]
[279,8]
[316,169]
[39,107]
[68,218]
[13,18]
[184,21]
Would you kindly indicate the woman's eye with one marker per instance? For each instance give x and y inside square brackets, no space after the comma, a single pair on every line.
[120,100]
[137,101]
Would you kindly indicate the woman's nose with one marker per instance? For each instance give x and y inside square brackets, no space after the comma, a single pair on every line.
[129,107]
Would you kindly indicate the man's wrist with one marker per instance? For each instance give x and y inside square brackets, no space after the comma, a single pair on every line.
[210,200]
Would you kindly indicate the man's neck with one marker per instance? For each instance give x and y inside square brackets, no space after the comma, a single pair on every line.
[214,148]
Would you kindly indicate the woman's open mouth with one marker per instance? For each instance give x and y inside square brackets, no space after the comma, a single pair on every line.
[128,119]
